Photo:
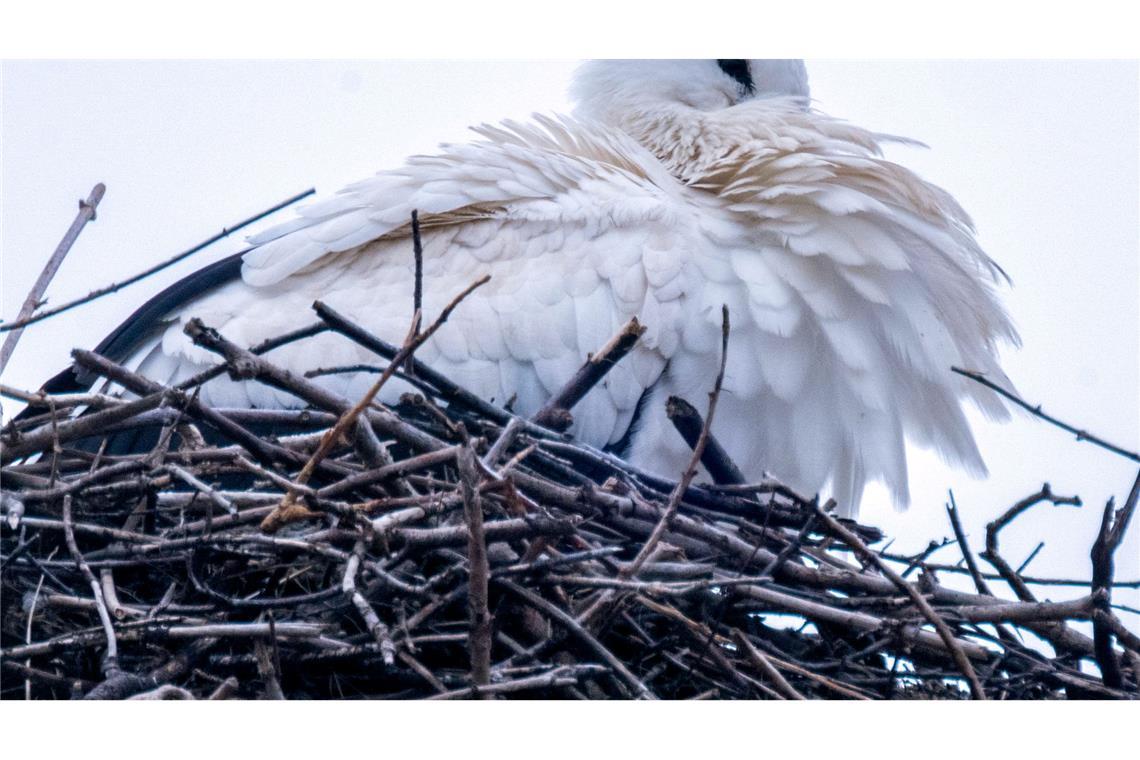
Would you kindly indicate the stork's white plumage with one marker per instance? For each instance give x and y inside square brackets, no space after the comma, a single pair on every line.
[676,187]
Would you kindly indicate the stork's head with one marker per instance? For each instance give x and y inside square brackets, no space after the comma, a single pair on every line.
[611,90]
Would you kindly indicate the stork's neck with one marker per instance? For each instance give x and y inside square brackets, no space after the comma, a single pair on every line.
[677,134]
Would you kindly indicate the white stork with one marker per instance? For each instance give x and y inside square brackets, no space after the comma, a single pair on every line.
[676,187]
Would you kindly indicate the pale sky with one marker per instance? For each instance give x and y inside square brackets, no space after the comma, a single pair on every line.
[1043,154]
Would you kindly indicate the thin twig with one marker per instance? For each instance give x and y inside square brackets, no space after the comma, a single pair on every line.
[418,255]
[1082,435]
[567,621]
[1113,526]
[765,666]
[415,339]
[991,553]
[687,420]
[478,570]
[555,413]
[691,470]
[111,657]
[117,286]
[35,295]
[960,658]
[372,621]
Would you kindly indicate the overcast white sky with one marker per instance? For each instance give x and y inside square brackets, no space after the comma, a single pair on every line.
[1043,154]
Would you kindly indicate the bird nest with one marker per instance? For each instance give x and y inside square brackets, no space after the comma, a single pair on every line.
[447,548]
[154,546]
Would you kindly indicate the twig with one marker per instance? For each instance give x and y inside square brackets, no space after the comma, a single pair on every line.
[447,390]
[1126,637]
[560,676]
[418,255]
[967,555]
[478,571]
[197,484]
[1014,612]
[414,340]
[90,424]
[1082,435]
[955,647]
[35,295]
[691,470]
[372,621]
[1113,526]
[570,624]
[765,666]
[268,671]
[111,658]
[28,633]
[991,553]
[1032,555]
[114,287]
[555,413]
[716,460]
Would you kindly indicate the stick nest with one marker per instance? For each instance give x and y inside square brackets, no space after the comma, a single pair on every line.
[444,548]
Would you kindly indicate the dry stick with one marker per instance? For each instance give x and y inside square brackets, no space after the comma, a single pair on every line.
[604,601]
[376,627]
[568,622]
[1030,580]
[1127,638]
[338,431]
[555,413]
[1113,525]
[264,347]
[114,287]
[268,671]
[674,503]
[39,439]
[991,554]
[495,530]
[165,629]
[422,671]
[1026,612]
[225,689]
[201,487]
[478,570]
[111,659]
[845,690]
[865,554]
[447,390]
[1082,435]
[59,401]
[35,295]
[971,563]
[132,381]
[703,635]
[716,460]
[566,675]
[110,595]
[28,634]
[765,666]
[502,443]
[418,255]
[403,467]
